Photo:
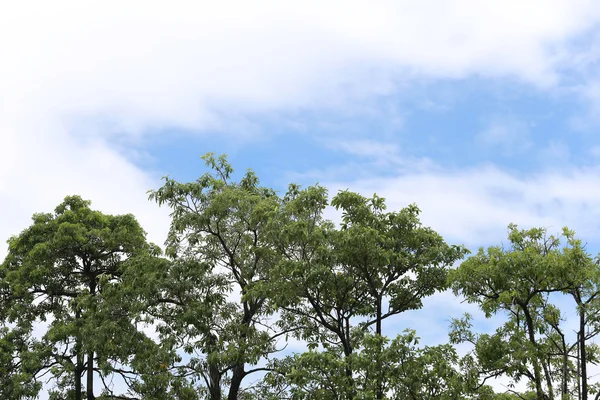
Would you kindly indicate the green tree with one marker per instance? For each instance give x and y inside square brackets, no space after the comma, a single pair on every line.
[60,271]
[220,238]
[584,282]
[518,281]
[393,255]
[339,284]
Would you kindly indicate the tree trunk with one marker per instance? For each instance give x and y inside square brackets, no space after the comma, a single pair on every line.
[215,392]
[78,372]
[79,363]
[379,364]
[565,369]
[578,370]
[214,375]
[347,345]
[90,357]
[548,381]
[238,370]
[236,381]
[576,293]
[90,376]
[581,338]
[537,373]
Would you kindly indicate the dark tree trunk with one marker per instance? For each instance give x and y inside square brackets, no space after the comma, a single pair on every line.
[576,293]
[379,363]
[548,381]
[537,373]
[581,338]
[565,368]
[238,372]
[214,375]
[90,376]
[344,335]
[90,356]
[349,378]
[79,363]
[78,373]
[214,386]
[236,381]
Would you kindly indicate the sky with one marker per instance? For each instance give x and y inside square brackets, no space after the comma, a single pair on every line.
[481,113]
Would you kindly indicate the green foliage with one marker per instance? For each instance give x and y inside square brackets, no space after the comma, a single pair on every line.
[246,272]
[220,243]
[18,365]
[409,372]
[65,270]
[391,255]
[519,281]
[376,265]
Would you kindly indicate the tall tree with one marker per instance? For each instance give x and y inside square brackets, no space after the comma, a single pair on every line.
[584,282]
[339,284]
[395,257]
[224,227]
[56,273]
[517,280]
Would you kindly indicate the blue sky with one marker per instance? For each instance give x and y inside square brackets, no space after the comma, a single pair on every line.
[456,124]
[482,113]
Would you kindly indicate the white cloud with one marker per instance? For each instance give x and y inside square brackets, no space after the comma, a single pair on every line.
[73,73]
[147,63]
[38,170]
[382,153]
[474,206]
[72,70]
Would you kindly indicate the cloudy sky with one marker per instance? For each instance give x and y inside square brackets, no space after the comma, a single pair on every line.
[482,113]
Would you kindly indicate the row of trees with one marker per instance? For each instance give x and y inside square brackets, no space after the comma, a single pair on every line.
[94,311]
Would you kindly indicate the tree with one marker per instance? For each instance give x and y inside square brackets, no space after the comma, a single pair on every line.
[330,278]
[517,280]
[61,271]
[585,290]
[394,256]
[219,237]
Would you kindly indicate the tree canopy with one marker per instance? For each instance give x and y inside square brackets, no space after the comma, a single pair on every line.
[60,282]
[258,295]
